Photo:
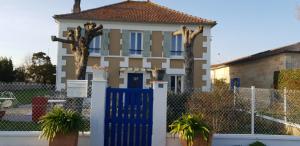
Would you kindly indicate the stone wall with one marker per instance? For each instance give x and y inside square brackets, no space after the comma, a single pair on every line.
[258,73]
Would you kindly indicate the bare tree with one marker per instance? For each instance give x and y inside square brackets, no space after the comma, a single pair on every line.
[79,39]
[188,40]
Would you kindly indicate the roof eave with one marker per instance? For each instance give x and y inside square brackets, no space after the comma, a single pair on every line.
[59,17]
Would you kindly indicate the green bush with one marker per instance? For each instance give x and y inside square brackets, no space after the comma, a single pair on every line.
[289,79]
[257,143]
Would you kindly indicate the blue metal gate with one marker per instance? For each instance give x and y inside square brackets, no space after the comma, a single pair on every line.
[128,117]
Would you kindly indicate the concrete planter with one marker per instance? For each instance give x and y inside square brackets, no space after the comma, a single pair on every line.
[158,75]
[199,141]
[65,140]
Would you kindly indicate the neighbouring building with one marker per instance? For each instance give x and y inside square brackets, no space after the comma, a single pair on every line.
[137,37]
[261,69]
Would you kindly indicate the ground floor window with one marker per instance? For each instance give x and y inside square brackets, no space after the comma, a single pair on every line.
[176,84]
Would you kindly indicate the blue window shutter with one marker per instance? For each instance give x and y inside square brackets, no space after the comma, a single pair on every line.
[105,42]
[139,41]
[179,42]
[97,42]
[173,48]
[91,44]
[125,42]
[132,41]
[167,43]
[146,43]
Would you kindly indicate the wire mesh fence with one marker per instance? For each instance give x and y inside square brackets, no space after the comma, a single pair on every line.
[22,105]
[240,110]
[228,111]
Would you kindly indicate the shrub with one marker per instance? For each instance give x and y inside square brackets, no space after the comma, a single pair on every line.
[289,79]
[257,143]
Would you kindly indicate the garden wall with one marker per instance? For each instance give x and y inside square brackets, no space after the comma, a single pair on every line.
[245,140]
[31,138]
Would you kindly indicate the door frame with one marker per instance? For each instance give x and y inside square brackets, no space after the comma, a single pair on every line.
[140,80]
[145,77]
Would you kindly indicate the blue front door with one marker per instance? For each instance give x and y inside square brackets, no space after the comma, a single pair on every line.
[135,80]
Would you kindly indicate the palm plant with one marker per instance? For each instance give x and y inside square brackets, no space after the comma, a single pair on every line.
[60,122]
[189,127]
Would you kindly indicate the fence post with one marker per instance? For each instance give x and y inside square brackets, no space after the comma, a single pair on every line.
[252,109]
[97,114]
[159,113]
[285,104]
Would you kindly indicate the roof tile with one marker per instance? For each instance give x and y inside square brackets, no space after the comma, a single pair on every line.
[136,11]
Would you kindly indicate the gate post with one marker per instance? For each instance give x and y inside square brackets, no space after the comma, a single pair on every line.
[159,113]
[97,113]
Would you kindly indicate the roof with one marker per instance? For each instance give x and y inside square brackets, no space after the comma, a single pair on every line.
[294,48]
[136,11]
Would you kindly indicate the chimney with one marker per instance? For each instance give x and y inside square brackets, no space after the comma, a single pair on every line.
[76,7]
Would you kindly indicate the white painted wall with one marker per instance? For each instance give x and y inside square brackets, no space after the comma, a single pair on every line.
[31,138]
[245,140]
[17,138]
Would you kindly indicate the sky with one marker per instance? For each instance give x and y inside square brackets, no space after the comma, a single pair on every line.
[244,26]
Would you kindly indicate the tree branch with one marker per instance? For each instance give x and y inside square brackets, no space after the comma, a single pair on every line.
[56,39]
[196,32]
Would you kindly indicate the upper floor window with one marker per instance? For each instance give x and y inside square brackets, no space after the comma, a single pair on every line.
[95,45]
[177,46]
[135,43]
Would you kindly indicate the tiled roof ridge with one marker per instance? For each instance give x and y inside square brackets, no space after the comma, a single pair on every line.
[101,7]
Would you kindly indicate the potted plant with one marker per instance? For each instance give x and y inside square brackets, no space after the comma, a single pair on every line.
[192,130]
[158,74]
[60,127]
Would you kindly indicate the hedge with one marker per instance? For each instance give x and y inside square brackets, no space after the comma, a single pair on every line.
[289,79]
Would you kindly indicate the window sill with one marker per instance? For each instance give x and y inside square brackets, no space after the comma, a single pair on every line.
[136,55]
[95,55]
[176,57]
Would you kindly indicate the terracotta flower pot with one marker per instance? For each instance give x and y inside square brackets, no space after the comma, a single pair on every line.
[158,75]
[2,113]
[198,141]
[65,140]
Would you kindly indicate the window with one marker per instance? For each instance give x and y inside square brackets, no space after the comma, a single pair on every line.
[136,43]
[95,45]
[176,84]
[177,46]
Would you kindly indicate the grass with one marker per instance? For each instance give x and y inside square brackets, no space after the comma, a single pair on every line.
[19,126]
[25,96]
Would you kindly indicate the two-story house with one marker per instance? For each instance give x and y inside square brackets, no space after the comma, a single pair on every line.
[137,37]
